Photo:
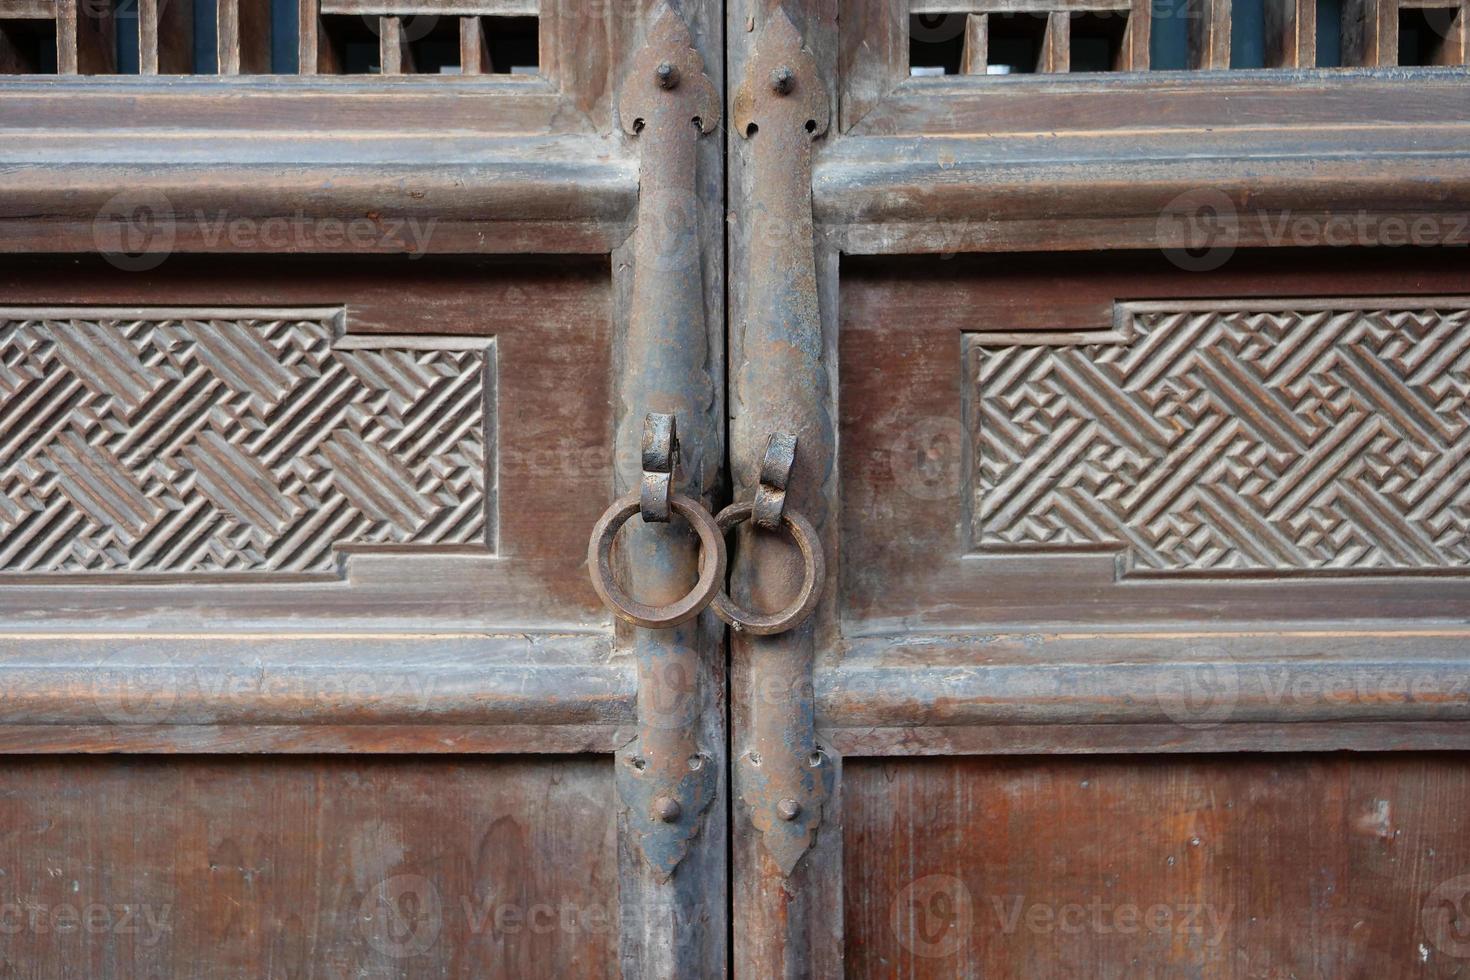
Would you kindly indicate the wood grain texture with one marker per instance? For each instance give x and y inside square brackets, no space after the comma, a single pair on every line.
[367,868]
[549,322]
[904,446]
[1209,867]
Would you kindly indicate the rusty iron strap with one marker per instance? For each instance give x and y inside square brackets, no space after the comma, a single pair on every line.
[783,777]
[665,778]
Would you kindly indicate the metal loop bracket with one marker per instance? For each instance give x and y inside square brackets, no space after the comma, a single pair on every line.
[814,574]
[711,563]
[776,465]
[660,458]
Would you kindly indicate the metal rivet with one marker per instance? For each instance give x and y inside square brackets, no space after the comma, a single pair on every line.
[667,74]
[788,809]
[783,80]
[667,809]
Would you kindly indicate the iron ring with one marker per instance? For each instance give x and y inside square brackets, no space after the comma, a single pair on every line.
[624,606]
[814,575]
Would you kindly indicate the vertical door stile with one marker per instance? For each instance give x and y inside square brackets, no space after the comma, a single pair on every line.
[670,777]
[786,866]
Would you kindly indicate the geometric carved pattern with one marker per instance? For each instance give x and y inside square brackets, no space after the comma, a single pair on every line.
[207,442]
[1232,438]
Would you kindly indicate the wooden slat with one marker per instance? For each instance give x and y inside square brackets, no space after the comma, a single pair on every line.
[474,52]
[1209,34]
[1013,6]
[394,55]
[977,44]
[1291,33]
[312,56]
[165,37]
[442,8]
[86,40]
[1134,53]
[244,37]
[1370,32]
[27,9]
[1056,44]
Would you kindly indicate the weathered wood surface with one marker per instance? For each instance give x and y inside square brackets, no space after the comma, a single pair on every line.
[374,868]
[908,449]
[1331,866]
[552,463]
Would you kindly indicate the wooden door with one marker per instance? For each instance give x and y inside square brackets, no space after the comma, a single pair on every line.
[1136,401]
[318,360]
[1108,361]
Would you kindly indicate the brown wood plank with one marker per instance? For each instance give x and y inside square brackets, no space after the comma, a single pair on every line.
[1212,867]
[215,868]
[165,37]
[394,55]
[244,37]
[1056,43]
[1291,33]
[977,47]
[86,41]
[474,53]
[27,9]
[1134,53]
[1209,34]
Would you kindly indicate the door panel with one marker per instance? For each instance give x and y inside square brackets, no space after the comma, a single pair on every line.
[1199,866]
[210,866]
[1108,440]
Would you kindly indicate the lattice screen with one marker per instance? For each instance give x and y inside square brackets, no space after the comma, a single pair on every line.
[234,37]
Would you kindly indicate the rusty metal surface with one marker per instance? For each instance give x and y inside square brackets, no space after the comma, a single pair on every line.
[814,573]
[664,776]
[776,466]
[781,386]
[660,457]
[668,614]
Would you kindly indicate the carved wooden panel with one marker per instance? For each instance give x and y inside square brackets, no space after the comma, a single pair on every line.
[235,441]
[1228,438]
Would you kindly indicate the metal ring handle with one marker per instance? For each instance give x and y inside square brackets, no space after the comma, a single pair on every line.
[813,577]
[624,606]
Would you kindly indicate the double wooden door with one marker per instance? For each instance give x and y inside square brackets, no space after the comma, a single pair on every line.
[1122,413]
